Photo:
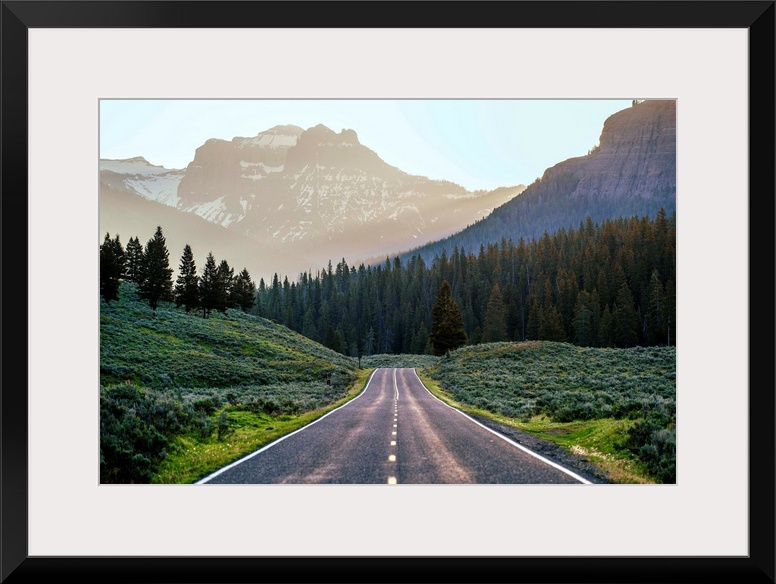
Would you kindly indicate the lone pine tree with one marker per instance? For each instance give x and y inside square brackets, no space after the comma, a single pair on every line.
[447,330]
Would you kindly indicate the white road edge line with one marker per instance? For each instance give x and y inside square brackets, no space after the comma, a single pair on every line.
[271,444]
[512,442]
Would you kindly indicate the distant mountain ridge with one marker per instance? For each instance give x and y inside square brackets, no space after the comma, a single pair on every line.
[631,172]
[316,193]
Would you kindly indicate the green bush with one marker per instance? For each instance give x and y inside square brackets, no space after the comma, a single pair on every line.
[136,426]
[653,441]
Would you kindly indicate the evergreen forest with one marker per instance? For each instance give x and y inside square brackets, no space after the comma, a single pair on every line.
[608,284]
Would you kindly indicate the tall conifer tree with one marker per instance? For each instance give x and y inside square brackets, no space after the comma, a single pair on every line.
[244,291]
[208,286]
[625,321]
[134,261]
[111,267]
[187,284]
[494,328]
[225,280]
[447,331]
[157,273]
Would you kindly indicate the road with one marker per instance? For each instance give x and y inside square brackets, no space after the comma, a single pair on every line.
[394,432]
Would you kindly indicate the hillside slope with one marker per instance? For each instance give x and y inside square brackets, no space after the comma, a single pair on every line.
[164,374]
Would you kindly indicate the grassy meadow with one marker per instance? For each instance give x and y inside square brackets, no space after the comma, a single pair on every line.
[181,395]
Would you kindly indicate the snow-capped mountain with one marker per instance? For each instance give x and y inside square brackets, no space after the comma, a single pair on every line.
[317,193]
[155,183]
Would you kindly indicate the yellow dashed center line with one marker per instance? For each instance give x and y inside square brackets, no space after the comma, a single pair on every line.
[393,442]
[392,458]
[391,480]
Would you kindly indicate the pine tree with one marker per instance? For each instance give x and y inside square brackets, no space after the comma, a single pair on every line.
[495,326]
[111,268]
[244,291]
[551,328]
[157,273]
[333,339]
[134,261]
[208,286]
[187,285]
[420,339]
[670,313]
[121,258]
[534,321]
[369,342]
[605,334]
[625,321]
[447,331]
[656,326]
[225,281]
[583,320]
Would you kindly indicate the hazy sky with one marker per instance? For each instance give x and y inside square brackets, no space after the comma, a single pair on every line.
[479,144]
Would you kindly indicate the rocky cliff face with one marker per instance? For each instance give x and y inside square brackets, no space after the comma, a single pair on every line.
[635,159]
[230,170]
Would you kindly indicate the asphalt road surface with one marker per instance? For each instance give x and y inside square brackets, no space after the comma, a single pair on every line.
[394,432]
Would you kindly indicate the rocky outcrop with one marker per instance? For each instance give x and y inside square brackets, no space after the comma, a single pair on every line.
[635,159]
[229,170]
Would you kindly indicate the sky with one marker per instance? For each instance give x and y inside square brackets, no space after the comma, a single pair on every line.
[476,143]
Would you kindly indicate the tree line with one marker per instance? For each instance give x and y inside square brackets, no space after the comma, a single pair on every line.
[216,288]
[607,284]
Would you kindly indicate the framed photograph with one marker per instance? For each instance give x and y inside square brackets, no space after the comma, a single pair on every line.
[67,64]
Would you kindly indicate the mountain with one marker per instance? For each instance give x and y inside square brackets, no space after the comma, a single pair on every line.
[316,194]
[137,175]
[632,171]
[127,214]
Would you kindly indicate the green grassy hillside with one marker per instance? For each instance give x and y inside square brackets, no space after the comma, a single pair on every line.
[615,406]
[181,395]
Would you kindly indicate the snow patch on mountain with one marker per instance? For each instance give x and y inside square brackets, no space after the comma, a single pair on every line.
[152,182]
[214,211]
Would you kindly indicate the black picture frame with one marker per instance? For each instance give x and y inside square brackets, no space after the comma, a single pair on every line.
[18,16]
